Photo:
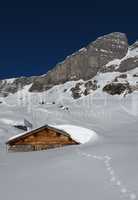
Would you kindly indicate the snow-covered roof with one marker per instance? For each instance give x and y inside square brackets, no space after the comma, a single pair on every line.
[77,133]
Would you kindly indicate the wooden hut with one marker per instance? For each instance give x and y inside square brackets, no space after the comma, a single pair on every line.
[43,138]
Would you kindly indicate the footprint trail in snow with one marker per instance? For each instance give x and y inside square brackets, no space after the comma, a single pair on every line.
[114,179]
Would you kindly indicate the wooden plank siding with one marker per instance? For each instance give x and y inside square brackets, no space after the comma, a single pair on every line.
[44,138]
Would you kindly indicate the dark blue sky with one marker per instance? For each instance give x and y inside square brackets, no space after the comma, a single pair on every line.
[34,36]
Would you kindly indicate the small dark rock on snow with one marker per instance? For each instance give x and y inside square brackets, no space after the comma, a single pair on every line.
[135,75]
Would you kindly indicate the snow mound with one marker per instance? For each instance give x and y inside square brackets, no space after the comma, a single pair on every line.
[77,133]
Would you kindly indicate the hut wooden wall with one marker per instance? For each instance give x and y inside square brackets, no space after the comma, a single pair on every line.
[44,139]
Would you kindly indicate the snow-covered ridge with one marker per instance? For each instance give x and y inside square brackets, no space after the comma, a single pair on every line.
[9,80]
[132,52]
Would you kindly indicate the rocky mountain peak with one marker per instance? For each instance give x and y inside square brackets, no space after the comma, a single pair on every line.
[115,44]
[85,63]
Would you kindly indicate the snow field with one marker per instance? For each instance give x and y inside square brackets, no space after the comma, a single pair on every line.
[113,178]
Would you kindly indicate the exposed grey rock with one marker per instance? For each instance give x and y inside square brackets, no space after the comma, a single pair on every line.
[86,88]
[17,84]
[135,87]
[90,85]
[117,88]
[111,68]
[128,64]
[135,75]
[85,63]
[76,91]
[122,76]
[109,47]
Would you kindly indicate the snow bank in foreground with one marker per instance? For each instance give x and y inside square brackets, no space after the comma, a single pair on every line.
[77,133]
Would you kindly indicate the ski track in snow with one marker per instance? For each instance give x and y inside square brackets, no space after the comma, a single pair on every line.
[113,178]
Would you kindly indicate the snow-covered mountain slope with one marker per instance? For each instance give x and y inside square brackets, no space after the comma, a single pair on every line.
[106,169]
[106,103]
[63,104]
